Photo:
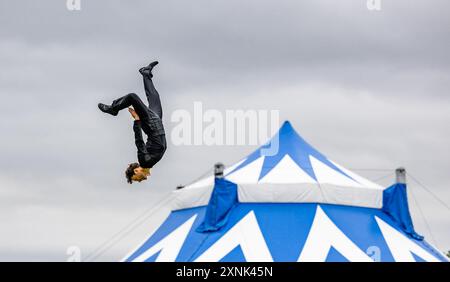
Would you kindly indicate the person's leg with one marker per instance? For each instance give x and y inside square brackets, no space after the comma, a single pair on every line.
[128,100]
[154,102]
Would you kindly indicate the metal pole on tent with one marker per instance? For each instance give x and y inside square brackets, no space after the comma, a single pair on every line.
[218,170]
[400,175]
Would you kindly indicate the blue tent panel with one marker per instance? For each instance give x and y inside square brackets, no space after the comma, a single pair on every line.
[285,228]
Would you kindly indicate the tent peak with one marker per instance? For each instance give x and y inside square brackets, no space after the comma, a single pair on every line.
[286,127]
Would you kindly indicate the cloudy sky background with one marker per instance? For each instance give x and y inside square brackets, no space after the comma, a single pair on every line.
[368,89]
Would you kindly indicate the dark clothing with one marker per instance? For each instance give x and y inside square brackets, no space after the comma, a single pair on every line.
[150,122]
[151,152]
[154,103]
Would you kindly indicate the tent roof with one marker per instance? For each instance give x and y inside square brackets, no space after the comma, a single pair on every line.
[287,204]
[288,169]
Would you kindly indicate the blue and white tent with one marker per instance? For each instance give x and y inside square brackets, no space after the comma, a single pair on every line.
[287,202]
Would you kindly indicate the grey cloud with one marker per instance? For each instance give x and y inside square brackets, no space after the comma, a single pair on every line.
[368,89]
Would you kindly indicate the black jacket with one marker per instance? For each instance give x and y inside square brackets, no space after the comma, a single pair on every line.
[152,151]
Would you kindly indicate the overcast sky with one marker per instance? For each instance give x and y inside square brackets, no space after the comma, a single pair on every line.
[368,89]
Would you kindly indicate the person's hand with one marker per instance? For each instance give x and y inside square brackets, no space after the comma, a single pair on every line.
[133,113]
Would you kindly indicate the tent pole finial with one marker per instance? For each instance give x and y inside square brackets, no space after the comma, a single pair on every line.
[400,175]
[218,170]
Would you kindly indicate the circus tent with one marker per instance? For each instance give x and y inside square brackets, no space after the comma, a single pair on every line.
[287,202]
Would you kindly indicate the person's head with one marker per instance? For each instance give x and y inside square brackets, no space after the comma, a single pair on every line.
[135,172]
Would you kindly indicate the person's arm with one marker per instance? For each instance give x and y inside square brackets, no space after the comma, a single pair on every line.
[144,157]
[138,140]
[142,153]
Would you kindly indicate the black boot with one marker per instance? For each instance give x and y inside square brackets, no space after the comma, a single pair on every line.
[152,65]
[145,72]
[148,69]
[107,109]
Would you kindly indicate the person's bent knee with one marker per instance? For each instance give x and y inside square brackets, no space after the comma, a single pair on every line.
[133,96]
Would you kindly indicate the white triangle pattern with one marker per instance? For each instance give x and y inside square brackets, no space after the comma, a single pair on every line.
[364,182]
[287,171]
[248,174]
[327,175]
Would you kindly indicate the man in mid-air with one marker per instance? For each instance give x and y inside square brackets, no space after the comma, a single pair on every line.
[147,119]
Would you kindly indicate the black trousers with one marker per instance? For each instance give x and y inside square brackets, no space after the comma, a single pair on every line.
[132,99]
